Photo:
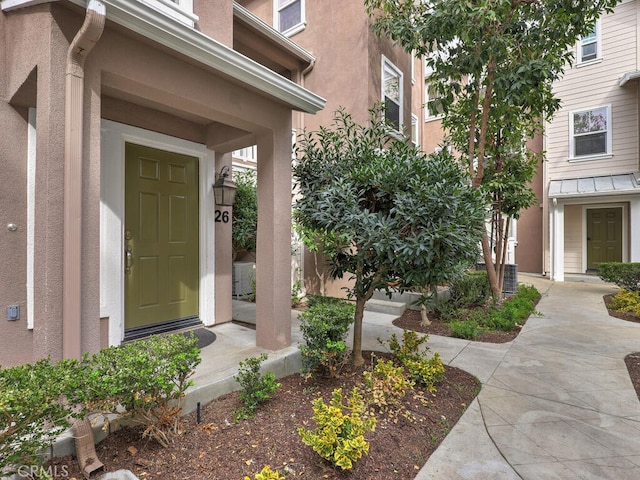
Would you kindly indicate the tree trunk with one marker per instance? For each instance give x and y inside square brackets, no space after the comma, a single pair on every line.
[424,318]
[358,359]
[491,271]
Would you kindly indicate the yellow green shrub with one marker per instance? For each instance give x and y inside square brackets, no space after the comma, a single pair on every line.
[626,301]
[386,385]
[340,429]
[267,474]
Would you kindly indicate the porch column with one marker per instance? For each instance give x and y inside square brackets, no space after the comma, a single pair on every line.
[273,256]
[556,240]
[223,256]
[634,229]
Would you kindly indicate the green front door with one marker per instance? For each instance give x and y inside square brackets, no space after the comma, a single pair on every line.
[604,236]
[161,236]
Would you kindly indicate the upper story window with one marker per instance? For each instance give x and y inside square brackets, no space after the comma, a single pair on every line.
[588,49]
[432,101]
[590,132]
[289,16]
[392,93]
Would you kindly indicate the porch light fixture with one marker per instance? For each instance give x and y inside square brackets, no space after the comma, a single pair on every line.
[224,190]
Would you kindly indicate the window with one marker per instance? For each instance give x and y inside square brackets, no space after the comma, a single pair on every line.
[590,132]
[588,48]
[392,93]
[289,16]
[433,99]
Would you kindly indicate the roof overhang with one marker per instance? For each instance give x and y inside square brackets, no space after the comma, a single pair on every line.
[271,33]
[151,23]
[628,77]
[625,184]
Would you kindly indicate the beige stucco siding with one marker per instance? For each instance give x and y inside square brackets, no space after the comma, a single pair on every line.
[586,86]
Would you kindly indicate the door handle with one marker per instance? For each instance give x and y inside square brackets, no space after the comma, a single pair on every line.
[128,256]
[128,260]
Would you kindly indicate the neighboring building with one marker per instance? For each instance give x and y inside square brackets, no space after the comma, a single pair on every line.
[116,116]
[353,69]
[592,180]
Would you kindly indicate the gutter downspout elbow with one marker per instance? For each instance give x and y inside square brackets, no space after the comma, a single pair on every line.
[80,47]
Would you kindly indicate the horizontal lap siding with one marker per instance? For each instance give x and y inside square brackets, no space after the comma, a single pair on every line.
[597,84]
[573,239]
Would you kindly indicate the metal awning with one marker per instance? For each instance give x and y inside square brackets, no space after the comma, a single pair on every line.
[628,183]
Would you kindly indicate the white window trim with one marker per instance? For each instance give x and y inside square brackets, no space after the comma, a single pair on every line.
[598,59]
[296,28]
[386,63]
[428,117]
[599,156]
[415,124]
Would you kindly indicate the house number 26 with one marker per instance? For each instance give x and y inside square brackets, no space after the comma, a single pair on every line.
[222,216]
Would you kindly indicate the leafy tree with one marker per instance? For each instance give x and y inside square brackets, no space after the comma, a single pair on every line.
[395,215]
[244,225]
[493,63]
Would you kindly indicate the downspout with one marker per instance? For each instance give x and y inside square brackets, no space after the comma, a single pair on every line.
[80,47]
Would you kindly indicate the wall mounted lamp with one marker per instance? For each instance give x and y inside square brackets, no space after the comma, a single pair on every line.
[224,190]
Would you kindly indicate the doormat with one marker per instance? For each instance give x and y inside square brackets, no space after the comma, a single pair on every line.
[205,337]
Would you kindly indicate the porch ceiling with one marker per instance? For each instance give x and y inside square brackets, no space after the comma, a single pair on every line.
[628,183]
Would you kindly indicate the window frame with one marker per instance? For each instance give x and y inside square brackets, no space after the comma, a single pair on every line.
[389,66]
[428,115]
[581,43]
[295,28]
[608,139]
[415,130]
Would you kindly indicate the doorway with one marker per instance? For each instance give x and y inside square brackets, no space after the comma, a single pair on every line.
[604,236]
[161,240]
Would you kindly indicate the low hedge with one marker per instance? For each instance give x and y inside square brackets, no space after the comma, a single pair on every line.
[143,381]
[624,275]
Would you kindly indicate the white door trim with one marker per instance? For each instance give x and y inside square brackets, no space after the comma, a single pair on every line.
[113,138]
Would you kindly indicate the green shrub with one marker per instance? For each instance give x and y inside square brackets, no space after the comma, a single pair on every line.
[324,327]
[467,329]
[386,385]
[625,275]
[256,388]
[35,401]
[144,381]
[267,474]
[423,370]
[340,429]
[626,301]
[244,224]
[470,290]
[513,311]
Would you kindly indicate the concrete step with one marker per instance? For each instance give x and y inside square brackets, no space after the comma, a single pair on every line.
[385,306]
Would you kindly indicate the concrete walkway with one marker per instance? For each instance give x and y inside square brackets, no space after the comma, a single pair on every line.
[556,403]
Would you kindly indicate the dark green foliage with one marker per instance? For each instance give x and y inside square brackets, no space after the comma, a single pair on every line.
[394,215]
[624,275]
[147,378]
[35,401]
[244,225]
[472,322]
[324,327]
[470,290]
[143,381]
[256,388]
[467,329]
